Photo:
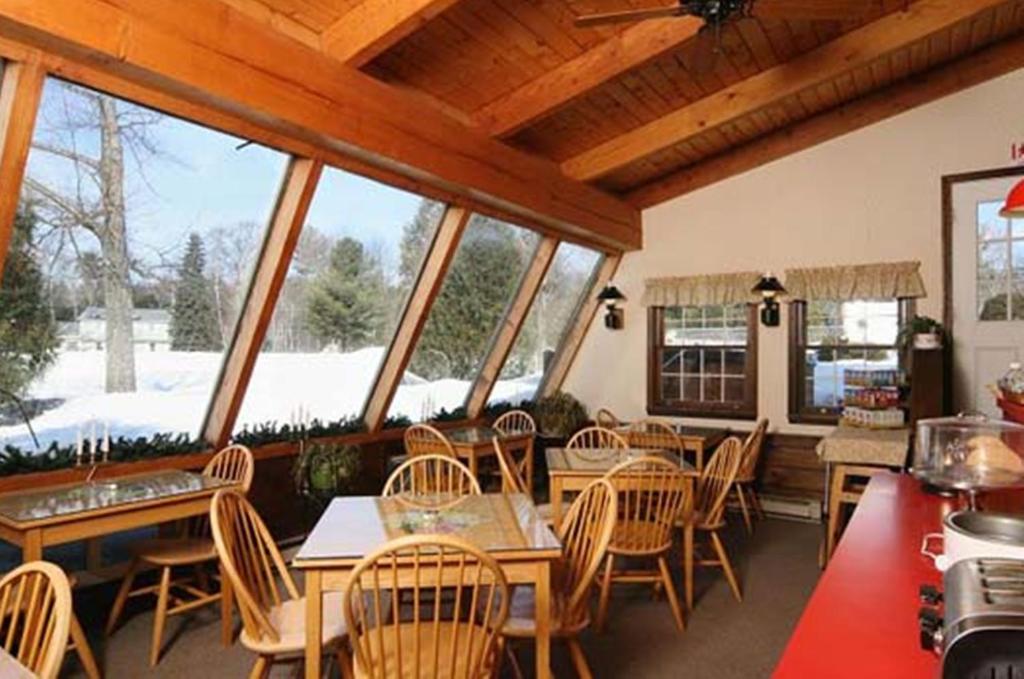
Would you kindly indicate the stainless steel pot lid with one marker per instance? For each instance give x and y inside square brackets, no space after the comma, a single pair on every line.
[1005,528]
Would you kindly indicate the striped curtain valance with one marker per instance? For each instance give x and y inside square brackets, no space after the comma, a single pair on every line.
[884,280]
[728,288]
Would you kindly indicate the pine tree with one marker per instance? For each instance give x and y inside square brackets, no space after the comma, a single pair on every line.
[28,335]
[194,324]
[347,300]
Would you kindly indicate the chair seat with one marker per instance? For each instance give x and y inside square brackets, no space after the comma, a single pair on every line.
[289,619]
[407,643]
[176,551]
[699,521]
[522,609]
[629,535]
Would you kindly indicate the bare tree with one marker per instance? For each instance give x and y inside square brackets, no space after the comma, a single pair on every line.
[85,137]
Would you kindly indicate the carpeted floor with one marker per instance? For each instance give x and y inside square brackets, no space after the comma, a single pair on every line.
[724,639]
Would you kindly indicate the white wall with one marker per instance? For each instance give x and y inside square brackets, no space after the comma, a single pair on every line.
[869,196]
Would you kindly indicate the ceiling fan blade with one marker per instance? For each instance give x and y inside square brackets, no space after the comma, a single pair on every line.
[814,10]
[628,15]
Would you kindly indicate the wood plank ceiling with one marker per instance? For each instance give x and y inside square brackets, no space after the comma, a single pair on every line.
[630,107]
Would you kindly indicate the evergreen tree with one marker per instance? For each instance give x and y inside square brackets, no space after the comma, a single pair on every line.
[28,335]
[347,300]
[194,324]
[480,283]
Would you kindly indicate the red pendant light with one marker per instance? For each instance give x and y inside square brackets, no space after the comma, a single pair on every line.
[1014,206]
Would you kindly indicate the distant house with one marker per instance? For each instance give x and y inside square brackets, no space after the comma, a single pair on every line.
[151,330]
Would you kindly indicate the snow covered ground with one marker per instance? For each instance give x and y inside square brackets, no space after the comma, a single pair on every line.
[173,392]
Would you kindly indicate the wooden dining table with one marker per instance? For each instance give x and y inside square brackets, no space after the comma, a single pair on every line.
[696,440]
[10,668]
[37,518]
[505,526]
[473,443]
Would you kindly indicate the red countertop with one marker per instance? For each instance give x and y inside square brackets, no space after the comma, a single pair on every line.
[861,620]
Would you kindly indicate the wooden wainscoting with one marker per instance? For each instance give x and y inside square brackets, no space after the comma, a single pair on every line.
[791,468]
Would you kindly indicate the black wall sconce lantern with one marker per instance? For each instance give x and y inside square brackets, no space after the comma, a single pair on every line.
[769,288]
[614,318]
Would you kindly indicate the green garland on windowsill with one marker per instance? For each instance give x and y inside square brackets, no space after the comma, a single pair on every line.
[15,460]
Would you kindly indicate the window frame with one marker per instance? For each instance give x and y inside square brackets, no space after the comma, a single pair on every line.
[747,410]
[799,413]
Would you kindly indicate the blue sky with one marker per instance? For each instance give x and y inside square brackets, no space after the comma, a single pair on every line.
[201,180]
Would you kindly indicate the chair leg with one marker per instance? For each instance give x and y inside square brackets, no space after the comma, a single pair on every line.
[579,660]
[755,502]
[160,617]
[260,668]
[122,596]
[606,590]
[517,671]
[835,493]
[670,593]
[726,565]
[688,565]
[743,507]
[85,655]
[227,623]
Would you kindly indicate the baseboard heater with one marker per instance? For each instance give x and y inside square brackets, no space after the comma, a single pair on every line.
[796,508]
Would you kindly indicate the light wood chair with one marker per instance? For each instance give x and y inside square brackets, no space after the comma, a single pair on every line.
[193,548]
[651,493]
[512,480]
[79,643]
[707,514]
[607,419]
[423,439]
[743,487]
[431,480]
[401,626]
[520,422]
[273,623]
[585,534]
[846,488]
[596,441]
[654,434]
[35,617]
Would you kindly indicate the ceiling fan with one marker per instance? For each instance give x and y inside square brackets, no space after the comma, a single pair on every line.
[717,13]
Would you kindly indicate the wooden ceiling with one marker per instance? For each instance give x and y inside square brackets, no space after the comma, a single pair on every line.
[629,108]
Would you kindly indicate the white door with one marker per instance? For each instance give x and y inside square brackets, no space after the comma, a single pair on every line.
[988,292]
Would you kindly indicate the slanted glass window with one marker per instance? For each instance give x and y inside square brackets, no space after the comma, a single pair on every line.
[833,338]
[703,361]
[135,238]
[484,276]
[1000,281]
[357,258]
[555,306]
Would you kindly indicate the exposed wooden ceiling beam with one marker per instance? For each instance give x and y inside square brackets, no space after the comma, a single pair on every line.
[212,56]
[573,79]
[992,62]
[372,26]
[846,53]
[20,92]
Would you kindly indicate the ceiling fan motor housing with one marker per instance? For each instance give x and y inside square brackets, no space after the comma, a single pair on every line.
[715,12]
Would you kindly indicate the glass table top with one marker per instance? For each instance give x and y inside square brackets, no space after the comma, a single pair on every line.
[476,435]
[49,503]
[352,527]
[598,461]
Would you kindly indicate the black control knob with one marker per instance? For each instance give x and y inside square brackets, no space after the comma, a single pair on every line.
[930,594]
[930,624]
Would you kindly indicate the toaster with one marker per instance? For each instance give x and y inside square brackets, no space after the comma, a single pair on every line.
[980,630]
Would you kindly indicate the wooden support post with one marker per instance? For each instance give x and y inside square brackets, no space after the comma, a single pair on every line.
[578,329]
[20,92]
[268,277]
[508,331]
[410,326]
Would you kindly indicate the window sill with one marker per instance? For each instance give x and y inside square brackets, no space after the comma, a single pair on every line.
[814,418]
[710,413]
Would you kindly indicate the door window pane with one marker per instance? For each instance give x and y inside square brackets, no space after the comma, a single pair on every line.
[135,239]
[567,280]
[357,259]
[484,275]
[1000,271]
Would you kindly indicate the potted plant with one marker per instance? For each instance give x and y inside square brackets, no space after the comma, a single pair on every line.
[921,332]
[560,415]
[321,472]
